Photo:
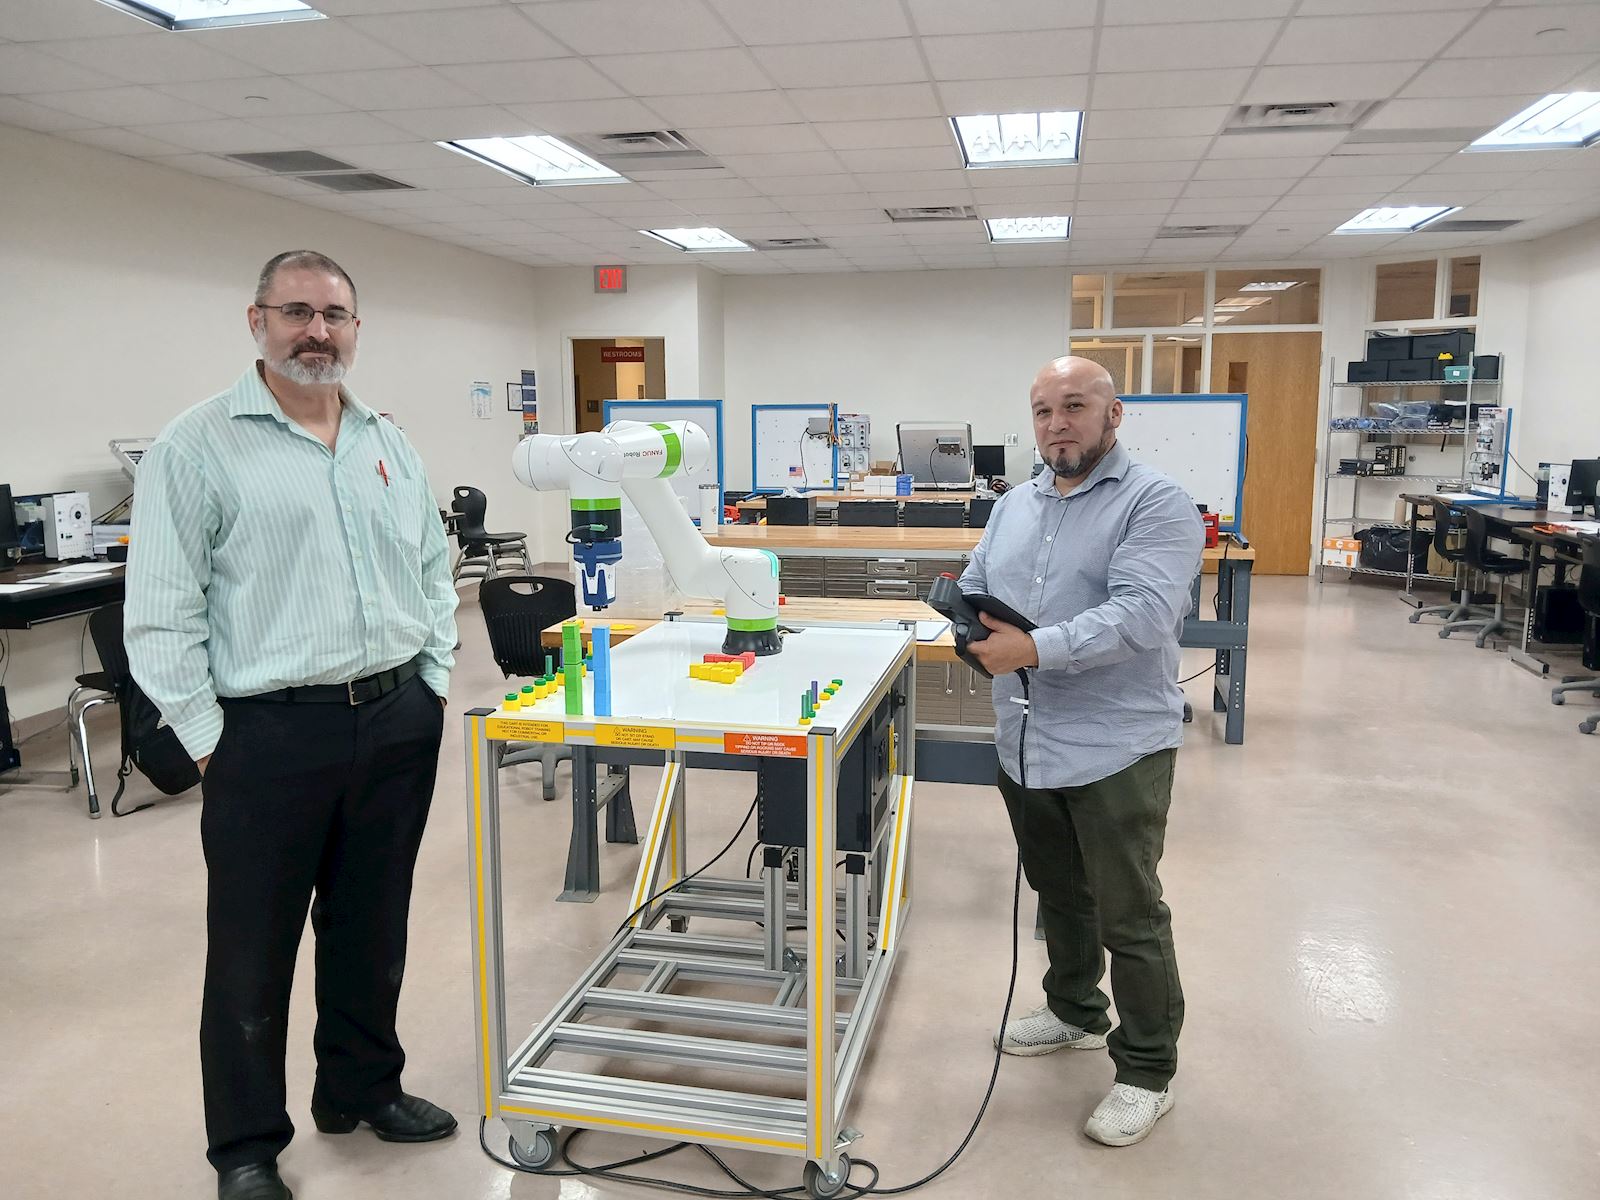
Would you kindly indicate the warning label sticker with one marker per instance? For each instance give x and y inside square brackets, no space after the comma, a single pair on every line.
[767,745]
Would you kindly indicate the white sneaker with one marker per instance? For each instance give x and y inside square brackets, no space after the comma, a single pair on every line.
[1042,1032]
[1127,1115]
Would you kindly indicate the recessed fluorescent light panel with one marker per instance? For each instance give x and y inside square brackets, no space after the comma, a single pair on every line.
[1563,121]
[1393,220]
[696,240]
[1270,286]
[179,15]
[535,159]
[1047,139]
[1028,229]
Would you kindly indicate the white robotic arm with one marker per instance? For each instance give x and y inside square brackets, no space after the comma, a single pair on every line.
[639,458]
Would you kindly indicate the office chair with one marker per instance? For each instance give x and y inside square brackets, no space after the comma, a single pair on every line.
[96,688]
[944,514]
[515,609]
[1589,600]
[1445,526]
[1479,557]
[481,551]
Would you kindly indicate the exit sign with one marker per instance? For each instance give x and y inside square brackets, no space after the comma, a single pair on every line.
[611,279]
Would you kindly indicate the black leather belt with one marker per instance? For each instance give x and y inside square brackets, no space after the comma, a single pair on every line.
[357,691]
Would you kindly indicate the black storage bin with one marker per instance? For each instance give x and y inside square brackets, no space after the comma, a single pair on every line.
[1431,345]
[1367,372]
[978,511]
[1486,366]
[946,514]
[1409,370]
[869,512]
[1384,348]
[1385,549]
[791,510]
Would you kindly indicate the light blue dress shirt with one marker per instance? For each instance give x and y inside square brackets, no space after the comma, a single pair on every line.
[260,559]
[1104,571]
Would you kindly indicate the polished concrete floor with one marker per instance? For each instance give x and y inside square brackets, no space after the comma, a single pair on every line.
[1386,903]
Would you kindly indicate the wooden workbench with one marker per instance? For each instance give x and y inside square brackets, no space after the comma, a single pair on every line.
[823,499]
[891,540]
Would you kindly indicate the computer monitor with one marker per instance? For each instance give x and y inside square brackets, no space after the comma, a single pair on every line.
[10,542]
[1582,482]
[989,461]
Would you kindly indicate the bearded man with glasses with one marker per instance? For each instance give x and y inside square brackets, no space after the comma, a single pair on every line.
[290,611]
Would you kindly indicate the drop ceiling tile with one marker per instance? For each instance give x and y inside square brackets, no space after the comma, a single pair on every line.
[539,81]
[26,68]
[1237,187]
[33,21]
[1484,112]
[842,64]
[1135,171]
[1539,74]
[1217,210]
[230,136]
[882,102]
[1155,123]
[26,115]
[819,162]
[934,17]
[351,128]
[391,156]
[461,35]
[684,73]
[903,181]
[991,211]
[171,59]
[1278,142]
[120,105]
[586,116]
[1375,166]
[255,96]
[929,158]
[921,197]
[687,187]
[774,22]
[401,87]
[870,135]
[451,124]
[983,181]
[1175,47]
[1156,12]
[1130,191]
[1336,189]
[716,206]
[632,26]
[1054,195]
[793,192]
[724,111]
[1146,150]
[124,141]
[1390,37]
[305,47]
[766,139]
[205,165]
[1169,89]
[1089,205]
[1278,167]
[1048,93]
[1514,32]
[1343,81]
[997,55]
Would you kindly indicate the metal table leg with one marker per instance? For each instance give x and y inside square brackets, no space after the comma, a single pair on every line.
[1522,654]
[1237,589]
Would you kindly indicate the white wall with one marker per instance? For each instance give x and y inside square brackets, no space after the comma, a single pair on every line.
[1560,414]
[125,286]
[900,346]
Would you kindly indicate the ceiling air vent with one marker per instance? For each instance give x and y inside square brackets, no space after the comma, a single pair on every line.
[1200,231]
[1313,115]
[358,181]
[291,162]
[1467,225]
[644,150]
[799,243]
[942,212]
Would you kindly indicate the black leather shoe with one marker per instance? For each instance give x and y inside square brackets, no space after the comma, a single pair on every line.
[408,1119]
[258,1181]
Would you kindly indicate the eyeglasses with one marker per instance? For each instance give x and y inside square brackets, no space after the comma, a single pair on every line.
[296,313]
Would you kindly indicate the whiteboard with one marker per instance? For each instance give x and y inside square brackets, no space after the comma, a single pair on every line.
[705,413]
[1197,440]
[782,456]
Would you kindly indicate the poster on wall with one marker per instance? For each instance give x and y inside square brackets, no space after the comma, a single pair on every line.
[530,404]
[480,395]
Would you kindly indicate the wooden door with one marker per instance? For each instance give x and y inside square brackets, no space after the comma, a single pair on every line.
[1280,372]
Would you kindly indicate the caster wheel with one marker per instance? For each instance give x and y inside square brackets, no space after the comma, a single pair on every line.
[1444,633]
[1557,698]
[1587,727]
[821,1185]
[678,924]
[1415,618]
[540,1154]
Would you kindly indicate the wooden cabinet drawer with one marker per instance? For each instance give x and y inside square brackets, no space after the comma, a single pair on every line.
[891,568]
[895,589]
[938,697]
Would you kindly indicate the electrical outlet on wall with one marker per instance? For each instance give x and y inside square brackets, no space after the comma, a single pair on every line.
[1011,439]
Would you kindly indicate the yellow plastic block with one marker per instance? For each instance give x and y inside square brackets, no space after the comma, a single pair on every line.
[623,628]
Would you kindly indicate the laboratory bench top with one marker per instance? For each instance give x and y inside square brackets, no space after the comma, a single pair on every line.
[759,503]
[59,598]
[889,539]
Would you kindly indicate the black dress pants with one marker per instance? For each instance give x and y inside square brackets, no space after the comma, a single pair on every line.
[327,800]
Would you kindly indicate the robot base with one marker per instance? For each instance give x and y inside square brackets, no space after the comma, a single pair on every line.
[760,641]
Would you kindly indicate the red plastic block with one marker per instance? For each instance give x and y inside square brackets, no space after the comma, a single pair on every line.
[748,658]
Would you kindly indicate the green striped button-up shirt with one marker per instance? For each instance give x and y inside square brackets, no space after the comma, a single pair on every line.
[260,559]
